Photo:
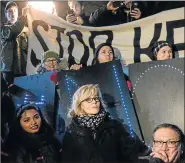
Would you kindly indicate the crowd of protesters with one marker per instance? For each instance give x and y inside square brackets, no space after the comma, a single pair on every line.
[92,134]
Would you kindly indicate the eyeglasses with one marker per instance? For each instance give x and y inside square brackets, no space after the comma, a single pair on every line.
[89,100]
[169,143]
[52,60]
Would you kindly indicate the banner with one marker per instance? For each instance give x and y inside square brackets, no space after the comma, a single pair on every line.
[158,93]
[77,43]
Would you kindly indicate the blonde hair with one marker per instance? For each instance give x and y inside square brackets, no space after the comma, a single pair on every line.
[82,94]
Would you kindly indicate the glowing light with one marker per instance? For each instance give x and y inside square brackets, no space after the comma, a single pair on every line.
[122,99]
[46,6]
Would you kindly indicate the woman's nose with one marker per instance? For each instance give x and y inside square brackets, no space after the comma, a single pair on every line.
[33,121]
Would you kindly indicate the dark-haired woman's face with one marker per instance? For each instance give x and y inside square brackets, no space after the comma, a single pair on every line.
[105,54]
[30,121]
[164,53]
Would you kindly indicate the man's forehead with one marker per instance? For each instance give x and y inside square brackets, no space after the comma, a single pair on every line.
[165,133]
[70,3]
[12,8]
[51,58]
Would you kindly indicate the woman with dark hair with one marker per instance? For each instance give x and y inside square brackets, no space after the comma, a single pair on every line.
[32,139]
[168,143]
[103,53]
[162,50]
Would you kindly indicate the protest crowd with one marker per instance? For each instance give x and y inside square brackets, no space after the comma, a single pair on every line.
[92,134]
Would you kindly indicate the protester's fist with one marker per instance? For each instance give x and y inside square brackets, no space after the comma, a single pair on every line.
[75,67]
[136,13]
[71,18]
[25,10]
[111,7]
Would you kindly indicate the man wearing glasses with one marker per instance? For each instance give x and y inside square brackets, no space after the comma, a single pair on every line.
[168,143]
[51,62]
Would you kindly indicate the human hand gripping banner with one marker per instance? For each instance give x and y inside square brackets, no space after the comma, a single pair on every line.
[77,43]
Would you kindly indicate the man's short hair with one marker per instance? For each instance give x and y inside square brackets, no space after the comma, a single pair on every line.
[10,4]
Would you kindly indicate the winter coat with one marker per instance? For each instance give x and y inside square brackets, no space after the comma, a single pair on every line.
[104,17]
[85,20]
[112,144]
[14,44]
[41,147]
[47,153]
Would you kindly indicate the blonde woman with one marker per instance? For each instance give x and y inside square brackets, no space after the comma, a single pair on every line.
[93,136]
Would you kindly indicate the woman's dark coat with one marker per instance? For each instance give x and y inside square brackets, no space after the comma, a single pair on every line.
[23,147]
[112,144]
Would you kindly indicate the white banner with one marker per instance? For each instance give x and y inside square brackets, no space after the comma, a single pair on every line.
[77,43]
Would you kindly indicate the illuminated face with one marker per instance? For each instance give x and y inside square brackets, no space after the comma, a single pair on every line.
[164,53]
[75,6]
[51,64]
[166,135]
[30,121]
[12,14]
[105,54]
[91,105]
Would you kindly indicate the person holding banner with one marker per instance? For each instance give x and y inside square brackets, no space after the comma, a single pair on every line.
[14,43]
[93,136]
[103,53]
[117,12]
[162,50]
[32,138]
[51,62]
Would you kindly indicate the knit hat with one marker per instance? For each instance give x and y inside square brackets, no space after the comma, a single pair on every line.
[49,54]
[95,60]
[158,45]
[9,4]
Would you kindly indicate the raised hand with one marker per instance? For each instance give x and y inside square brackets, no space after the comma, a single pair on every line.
[136,13]
[75,67]
[71,18]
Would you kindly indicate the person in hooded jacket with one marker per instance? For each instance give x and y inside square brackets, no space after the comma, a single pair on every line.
[162,50]
[32,139]
[105,53]
[93,136]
